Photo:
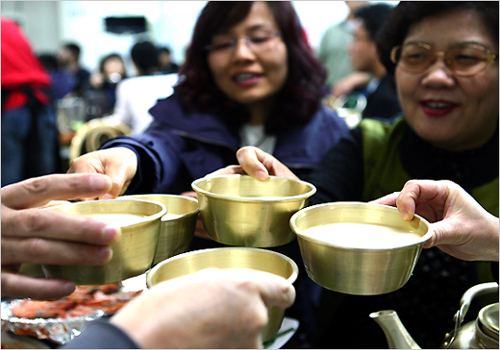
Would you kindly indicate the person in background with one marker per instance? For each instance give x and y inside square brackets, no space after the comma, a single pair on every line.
[62,81]
[68,58]
[111,71]
[448,131]
[136,95]
[249,78]
[231,311]
[145,58]
[333,47]
[167,66]
[29,128]
[382,101]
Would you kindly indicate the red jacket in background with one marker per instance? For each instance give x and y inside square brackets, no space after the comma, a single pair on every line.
[19,67]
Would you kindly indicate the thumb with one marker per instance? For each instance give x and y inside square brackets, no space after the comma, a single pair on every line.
[277,291]
[442,235]
[118,183]
[251,160]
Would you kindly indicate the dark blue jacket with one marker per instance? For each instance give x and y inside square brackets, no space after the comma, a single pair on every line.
[180,147]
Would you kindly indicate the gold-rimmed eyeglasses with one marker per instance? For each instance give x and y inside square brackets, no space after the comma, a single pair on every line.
[464,60]
[258,42]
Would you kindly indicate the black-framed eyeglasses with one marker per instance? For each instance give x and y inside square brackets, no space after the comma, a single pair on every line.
[465,59]
[256,43]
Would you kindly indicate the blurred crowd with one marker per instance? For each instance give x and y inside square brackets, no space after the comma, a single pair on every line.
[62,95]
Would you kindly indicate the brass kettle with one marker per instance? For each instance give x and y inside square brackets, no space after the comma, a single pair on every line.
[479,334]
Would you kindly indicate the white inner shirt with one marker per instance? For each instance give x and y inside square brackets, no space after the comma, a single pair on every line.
[253,135]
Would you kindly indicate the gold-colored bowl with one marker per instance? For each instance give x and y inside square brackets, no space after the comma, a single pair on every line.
[133,253]
[367,266]
[239,210]
[177,226]
[227,258]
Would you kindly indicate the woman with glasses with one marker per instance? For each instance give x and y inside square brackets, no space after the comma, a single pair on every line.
[249,78]
[445,59]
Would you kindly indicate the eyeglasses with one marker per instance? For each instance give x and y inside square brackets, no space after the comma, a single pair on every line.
[463,60]
[258,43]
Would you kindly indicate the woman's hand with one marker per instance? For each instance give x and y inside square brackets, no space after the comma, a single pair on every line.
[461,226]
[230,311]
[260,164]
[119,163]
[257,164]
[33,235]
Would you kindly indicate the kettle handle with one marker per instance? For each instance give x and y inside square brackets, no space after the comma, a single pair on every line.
[471,293]
[465,301]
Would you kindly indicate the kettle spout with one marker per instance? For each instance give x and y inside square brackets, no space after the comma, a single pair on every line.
[396,334]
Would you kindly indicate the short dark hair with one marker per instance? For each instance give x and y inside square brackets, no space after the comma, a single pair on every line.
[302,92]
[113,55]
[373,17]
[145,56]
[164,49]
[408,13]
[49,61]
[74,49]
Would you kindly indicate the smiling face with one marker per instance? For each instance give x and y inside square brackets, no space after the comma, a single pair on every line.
[251,76]
[451,112]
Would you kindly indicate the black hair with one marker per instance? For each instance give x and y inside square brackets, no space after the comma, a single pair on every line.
[49,61]
[164,49]
[144,56]
[302,92]
[408,13]
[373,17]
[74,49]
[108,57]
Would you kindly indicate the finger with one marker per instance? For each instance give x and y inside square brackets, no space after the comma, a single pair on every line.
[19,286]
[119,181]
[273,289]
[51,224]
[46,251]
[191,194]
[229,170]
[86,163]
[389,199]
[40,190]
[421,190]
[277,292]
[251,160]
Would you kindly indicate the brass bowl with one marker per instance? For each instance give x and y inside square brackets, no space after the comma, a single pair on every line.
[239,210]
[133,253]
[177,226]
[363,266]
[226,258]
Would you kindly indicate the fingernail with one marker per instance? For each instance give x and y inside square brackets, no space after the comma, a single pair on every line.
[111,233]
[68,288]
[105,255]
[100,182]
[405,215]
[261,175]
[107,196]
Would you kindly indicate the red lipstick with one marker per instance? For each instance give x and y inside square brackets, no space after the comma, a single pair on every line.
[438,108]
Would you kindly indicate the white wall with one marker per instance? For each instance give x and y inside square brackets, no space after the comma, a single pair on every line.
[39,20]
[49,23]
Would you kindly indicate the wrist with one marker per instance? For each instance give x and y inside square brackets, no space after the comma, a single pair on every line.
[493,232]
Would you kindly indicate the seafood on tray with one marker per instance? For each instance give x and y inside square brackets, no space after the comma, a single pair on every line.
[62,319]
